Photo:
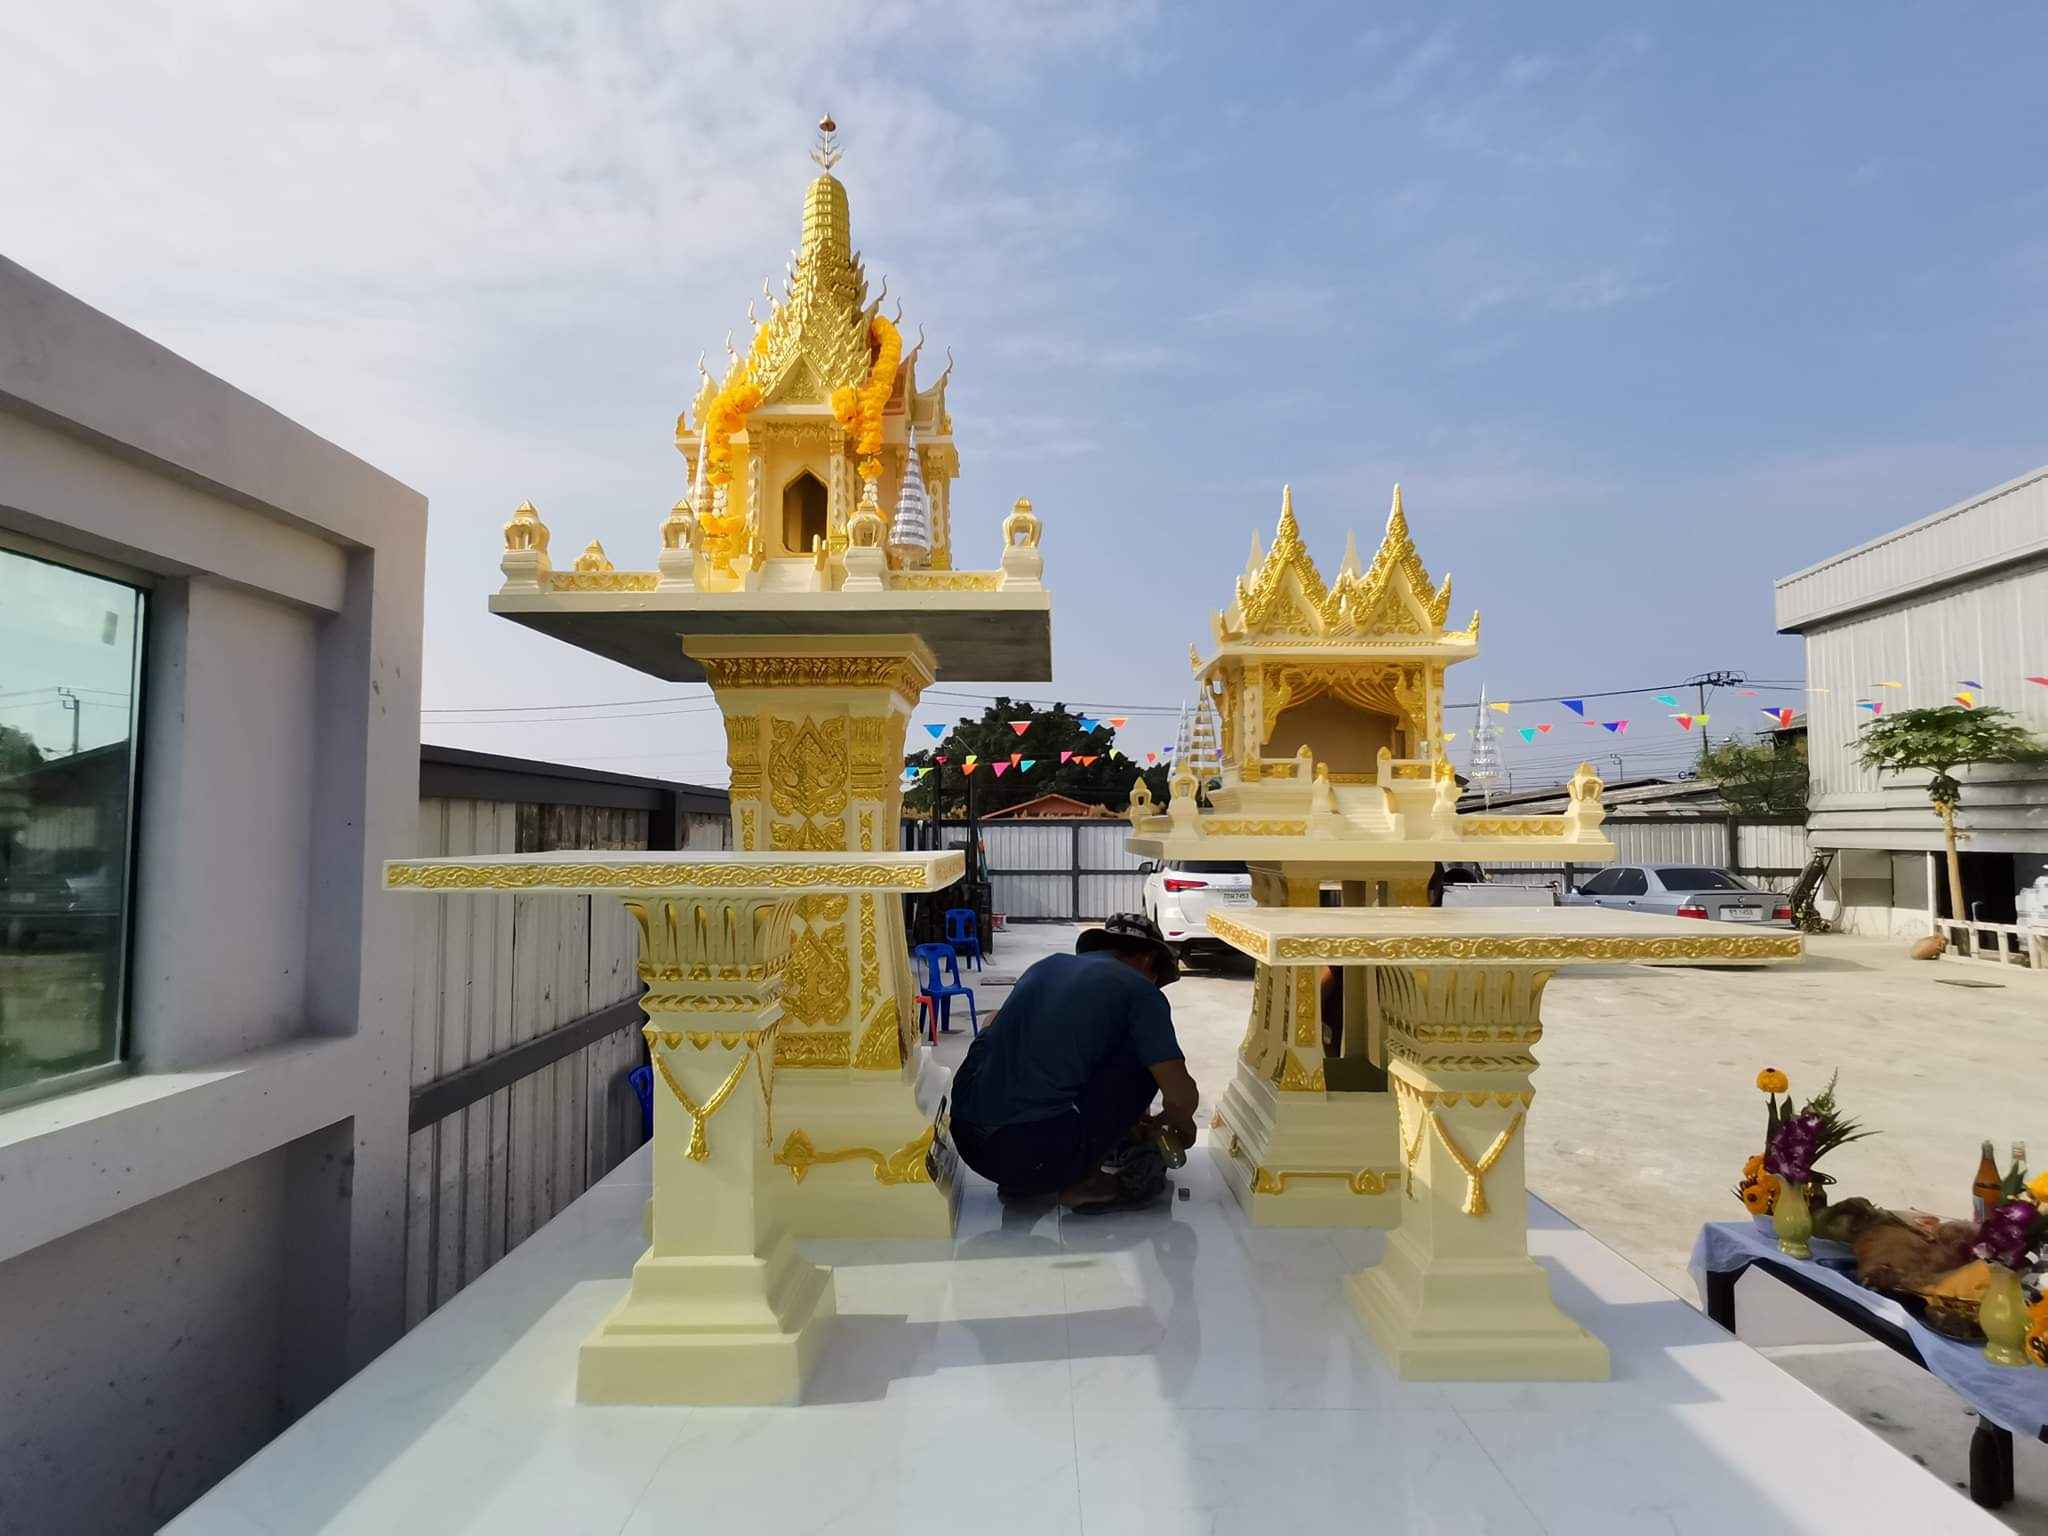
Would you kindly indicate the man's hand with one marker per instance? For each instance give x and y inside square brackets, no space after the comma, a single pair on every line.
[1179,1099]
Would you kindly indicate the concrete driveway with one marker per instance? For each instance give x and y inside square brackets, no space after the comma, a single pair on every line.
[1647,1106]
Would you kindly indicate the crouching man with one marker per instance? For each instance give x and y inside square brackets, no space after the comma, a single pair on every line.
[1063,1081]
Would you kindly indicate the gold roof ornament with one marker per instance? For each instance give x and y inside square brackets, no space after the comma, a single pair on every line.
[1282,594]
[593,558]
[526,532]
[818,336]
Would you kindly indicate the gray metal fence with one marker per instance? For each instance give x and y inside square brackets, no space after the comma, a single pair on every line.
[1063,871]
[1054,871]
[1769,851]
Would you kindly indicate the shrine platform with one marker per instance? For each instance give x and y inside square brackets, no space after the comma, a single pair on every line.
[1166,1371]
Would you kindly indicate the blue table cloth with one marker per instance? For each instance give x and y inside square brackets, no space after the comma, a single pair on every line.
[2011,1397]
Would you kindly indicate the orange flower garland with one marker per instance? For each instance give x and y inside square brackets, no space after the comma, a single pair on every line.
[858,409]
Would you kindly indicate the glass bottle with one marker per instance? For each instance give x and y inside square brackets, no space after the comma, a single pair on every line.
[1986,1193]
[2015,1183]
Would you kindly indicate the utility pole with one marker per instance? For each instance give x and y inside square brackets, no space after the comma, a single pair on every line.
[70,702]
[1705,683]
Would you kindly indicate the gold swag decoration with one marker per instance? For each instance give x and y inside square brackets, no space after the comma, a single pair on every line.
[725,415]
[859,409]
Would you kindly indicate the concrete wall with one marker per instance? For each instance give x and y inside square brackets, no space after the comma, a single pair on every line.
[192,1253]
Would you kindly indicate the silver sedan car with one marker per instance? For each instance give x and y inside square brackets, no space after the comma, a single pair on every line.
[1680,890]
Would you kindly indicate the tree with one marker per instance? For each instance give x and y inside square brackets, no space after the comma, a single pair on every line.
[992,739]
[18,751]
[1760,778]
[1938,742]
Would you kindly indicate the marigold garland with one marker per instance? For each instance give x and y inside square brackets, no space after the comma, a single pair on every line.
[858,408]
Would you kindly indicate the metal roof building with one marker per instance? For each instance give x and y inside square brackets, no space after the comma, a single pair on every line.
[1955,599]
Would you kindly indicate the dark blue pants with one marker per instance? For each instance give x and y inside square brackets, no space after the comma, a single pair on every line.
[1036,1157]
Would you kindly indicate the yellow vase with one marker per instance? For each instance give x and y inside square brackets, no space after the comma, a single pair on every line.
[2002,1314]
[1792,1220]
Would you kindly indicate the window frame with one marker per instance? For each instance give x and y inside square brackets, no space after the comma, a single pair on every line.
[1622,876]
[145,588]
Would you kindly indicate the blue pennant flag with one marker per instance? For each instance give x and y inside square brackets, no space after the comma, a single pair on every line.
[1576,706]
[937,731]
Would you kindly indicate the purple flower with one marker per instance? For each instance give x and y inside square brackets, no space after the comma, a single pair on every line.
[1794,1149]
[2007,1233]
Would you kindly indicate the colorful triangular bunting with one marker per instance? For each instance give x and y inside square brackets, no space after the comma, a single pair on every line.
[1667,700]
[1527,733]
[1576,706]
[936,731]
[1020,726]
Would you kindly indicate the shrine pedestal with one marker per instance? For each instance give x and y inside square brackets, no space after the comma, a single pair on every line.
[1459,995]
[814,737]
[722,1310]
[1294,1154]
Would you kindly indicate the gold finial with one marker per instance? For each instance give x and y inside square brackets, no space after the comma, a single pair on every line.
[1195,658]
[593,558]
[526,532]
[1397,518]
[827,152]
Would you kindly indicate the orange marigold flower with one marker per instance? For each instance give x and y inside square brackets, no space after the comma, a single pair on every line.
[1754,1167]
[1757,1199]
[1771,1080]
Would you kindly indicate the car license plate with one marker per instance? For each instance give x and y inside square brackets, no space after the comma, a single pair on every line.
[1743,914]
[1238,898]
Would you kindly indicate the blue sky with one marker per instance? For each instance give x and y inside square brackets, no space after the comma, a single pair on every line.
[1644,306]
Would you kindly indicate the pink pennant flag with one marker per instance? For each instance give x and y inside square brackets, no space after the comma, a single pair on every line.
[1543,730]
[2043,681]
[1749,693]
[1619,727]
[1020,726]
[1000,768]
[937,759]
[1065,756]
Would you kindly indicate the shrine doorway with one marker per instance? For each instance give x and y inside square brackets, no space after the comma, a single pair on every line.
[804,504]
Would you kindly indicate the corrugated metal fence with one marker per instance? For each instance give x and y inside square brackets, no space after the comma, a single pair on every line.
[1055,870]
[1770,852]
[525,1019]
[1069,870]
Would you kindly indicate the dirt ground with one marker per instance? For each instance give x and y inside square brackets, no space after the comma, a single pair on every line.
[1646,1108]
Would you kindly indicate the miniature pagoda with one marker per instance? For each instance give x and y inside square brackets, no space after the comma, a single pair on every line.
[1333,773]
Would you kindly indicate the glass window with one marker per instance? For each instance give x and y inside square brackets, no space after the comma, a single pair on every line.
[1601,884]
[1212,866]
[70,655]
[1630,882]
[1690,879]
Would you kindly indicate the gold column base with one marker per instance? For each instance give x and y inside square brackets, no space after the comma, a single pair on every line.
[854,1155]
[1470,1320]
[1307,1159]
[711,1331]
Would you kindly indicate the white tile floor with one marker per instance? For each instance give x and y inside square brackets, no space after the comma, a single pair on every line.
[1168,1371]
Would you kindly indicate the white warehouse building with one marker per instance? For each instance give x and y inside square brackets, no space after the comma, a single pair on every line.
[1956,599]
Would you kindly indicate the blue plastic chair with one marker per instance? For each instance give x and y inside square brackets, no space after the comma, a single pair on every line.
[933,957]
[642,1079]
[963,932]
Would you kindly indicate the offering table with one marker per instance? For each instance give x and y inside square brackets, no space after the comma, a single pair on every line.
[722,1309]
[1458,997]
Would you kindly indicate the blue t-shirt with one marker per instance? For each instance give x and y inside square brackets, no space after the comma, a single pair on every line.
[1066,1016]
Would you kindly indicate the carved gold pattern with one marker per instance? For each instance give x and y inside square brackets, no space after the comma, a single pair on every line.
[881,1044]
[814,991]
[747,829]
[796,875]
[907,1165]
[602,581]
[700,1145]
[1475,1173]
[1306,1030]
[1530,950]
[1287,593]
[813,1048]
[701,1040]
[1274,1181]
[1513,826]
[692,1002]
[904,674]
[1293,1079]
[867,831]
[945,581]
[807,779]
[1232,826]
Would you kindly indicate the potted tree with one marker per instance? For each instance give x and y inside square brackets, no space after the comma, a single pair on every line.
[1939,742]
